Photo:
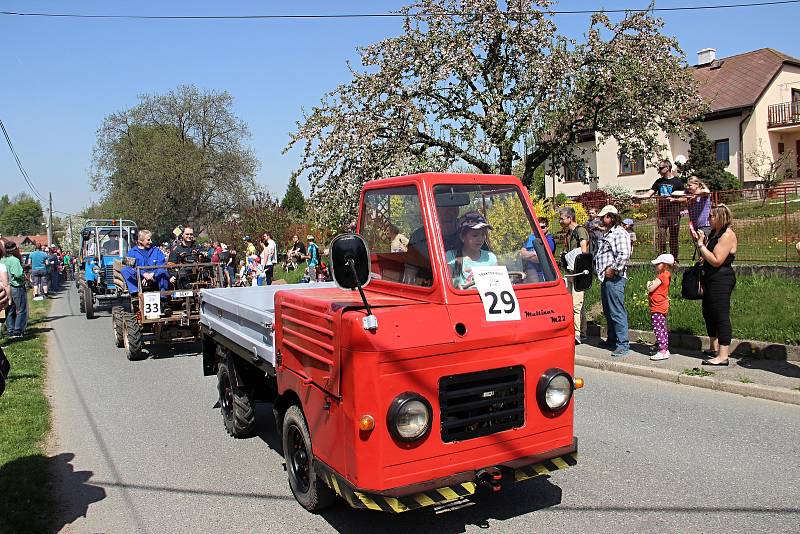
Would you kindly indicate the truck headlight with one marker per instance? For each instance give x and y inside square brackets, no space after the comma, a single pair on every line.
[554,390]
[409,417]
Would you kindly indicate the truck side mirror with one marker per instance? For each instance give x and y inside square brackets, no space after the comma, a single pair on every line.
[350,265]
[584,272]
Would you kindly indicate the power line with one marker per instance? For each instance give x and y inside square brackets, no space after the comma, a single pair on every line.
[19,163]
[376,15]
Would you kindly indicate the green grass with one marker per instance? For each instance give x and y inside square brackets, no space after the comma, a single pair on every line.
[762,307]
[25,500]
[291,277]
[697,371]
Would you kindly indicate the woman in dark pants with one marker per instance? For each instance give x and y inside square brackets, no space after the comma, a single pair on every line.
[718,250]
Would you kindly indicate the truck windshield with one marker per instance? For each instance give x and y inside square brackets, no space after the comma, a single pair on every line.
[487,225]
[391,224]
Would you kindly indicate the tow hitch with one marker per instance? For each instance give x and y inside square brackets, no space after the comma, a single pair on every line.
[490,477]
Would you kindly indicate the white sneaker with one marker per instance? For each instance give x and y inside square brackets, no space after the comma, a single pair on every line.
[661,355]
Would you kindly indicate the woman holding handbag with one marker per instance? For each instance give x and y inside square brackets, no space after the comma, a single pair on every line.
[717,252]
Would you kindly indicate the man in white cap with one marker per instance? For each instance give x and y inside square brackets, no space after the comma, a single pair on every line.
[613,252]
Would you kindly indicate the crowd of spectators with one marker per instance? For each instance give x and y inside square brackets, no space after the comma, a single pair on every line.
[44,270]
[612,240]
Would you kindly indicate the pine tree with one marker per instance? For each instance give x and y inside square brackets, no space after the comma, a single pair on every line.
[294,201]
[702,162]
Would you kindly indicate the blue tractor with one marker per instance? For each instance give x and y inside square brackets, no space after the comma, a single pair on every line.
[103,241]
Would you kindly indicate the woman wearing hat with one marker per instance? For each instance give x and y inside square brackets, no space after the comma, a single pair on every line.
[473,232]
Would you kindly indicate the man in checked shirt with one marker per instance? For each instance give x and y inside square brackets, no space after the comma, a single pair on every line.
[613,251]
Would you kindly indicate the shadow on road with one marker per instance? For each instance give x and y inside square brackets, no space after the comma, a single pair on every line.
[26,502]
[478,510]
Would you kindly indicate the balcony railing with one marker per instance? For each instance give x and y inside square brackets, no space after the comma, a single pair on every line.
[784,114]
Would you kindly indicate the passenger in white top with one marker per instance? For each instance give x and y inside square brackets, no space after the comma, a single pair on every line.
[473,233]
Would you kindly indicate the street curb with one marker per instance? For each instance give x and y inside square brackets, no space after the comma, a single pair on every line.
[785,395]
[740,348]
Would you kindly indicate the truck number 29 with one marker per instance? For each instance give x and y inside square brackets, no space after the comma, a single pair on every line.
[505,297]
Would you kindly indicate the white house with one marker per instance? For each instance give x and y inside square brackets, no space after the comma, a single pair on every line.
[753,97]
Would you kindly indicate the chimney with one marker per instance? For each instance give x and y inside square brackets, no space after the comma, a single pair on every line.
[706,56]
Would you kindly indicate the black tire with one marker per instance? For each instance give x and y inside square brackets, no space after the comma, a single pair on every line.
[132,337]
[309,490]
[81,303]
[88,301]
[118,326]
[236,404]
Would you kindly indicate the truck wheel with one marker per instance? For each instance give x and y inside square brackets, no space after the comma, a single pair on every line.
[81,303]
[235,403]
[132,337]
[309,490]
[117,325]
[88,301]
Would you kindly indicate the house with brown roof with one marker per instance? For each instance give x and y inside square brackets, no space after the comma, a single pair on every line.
[27,241]
[754,101]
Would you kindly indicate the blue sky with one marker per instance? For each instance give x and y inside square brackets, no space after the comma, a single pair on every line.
[60,77]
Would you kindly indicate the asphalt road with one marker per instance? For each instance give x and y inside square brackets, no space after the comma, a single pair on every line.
[139,447]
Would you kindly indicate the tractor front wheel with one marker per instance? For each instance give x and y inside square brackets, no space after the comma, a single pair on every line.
[88,301]
[117,323]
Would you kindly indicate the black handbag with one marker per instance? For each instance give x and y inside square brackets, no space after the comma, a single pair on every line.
[692,282]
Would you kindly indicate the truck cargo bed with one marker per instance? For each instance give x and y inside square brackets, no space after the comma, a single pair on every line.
[245,315]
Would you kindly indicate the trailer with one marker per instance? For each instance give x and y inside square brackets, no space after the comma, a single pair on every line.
[419,376]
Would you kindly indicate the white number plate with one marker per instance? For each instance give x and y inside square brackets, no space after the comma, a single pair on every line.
[152,305]
[181,294]
[499,300]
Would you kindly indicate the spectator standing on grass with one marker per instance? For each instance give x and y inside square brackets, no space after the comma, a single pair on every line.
[312,258]
[533,266]
[594,225]
[699,204]
[717,252]
[17,313]
[627,224]
[577,237]
[613,252]
[5,289]
[668,207]
[658,298]
[269,257]
[38,259]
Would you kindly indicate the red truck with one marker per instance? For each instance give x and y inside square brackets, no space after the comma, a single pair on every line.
[439,362]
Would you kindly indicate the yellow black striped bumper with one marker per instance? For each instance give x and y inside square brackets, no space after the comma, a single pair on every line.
[374,501]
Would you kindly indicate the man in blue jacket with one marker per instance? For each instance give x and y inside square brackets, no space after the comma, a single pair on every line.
[145,254]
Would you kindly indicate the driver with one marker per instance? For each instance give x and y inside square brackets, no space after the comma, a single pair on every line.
[144,254]
[185,252]
[473,235]
[447,216]
[112,246]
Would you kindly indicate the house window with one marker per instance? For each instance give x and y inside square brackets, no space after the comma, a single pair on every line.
[575,171]
[630,165]
[722,150]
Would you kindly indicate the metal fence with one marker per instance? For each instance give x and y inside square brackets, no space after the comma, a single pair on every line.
[767,224]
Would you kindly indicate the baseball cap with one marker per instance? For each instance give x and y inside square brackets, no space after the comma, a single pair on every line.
[310,237]
[669,259]
[607,209]
[473,220]
[627,221]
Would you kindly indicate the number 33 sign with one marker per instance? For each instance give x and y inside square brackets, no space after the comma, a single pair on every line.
[499,300]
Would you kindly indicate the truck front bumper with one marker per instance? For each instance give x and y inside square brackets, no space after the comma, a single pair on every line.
[451,488]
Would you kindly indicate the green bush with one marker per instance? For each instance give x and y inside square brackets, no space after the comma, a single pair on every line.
[754,306]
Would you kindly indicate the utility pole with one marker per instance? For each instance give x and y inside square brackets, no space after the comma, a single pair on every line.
[50,222]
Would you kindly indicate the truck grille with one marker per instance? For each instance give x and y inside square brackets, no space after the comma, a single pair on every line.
[108,276]
[478,404]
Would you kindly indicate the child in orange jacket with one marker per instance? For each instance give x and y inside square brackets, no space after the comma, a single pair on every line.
[658,296]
